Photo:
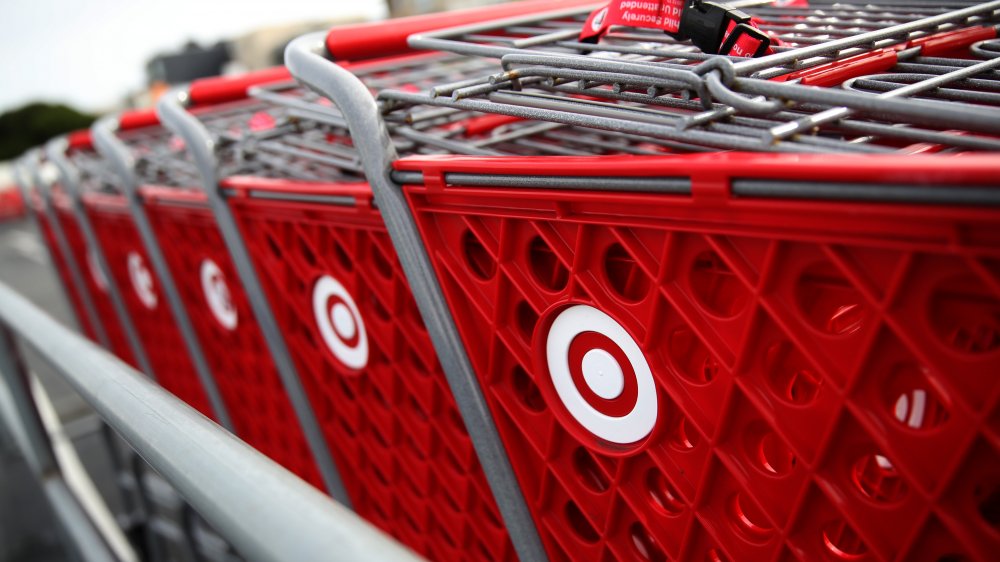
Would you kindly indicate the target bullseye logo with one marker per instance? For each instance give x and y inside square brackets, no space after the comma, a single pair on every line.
[340,322]
[142,280]
[95,272]
[598,20]
[601,376]
[220,302]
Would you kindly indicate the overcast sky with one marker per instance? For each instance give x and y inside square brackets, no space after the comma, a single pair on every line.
[90,53]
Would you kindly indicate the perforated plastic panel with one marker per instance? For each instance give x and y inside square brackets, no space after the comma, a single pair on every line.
[225,326]
[716,375]
[96,284]
[148,309]
[340,297]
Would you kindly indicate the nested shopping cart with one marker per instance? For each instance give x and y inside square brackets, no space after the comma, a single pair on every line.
[207,303]
[36,194]
[105,295]
[300,221]
[287,177]
[787,352]
[104,212]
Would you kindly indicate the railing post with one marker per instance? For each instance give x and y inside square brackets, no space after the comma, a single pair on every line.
[23,419]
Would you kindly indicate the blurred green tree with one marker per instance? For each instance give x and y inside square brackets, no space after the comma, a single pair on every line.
[35,123]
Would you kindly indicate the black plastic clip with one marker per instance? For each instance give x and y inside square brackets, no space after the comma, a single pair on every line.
[706,23]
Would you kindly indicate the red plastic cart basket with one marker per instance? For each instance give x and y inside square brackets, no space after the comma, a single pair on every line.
[213,298]
[74,297]
[289,175]
[109,215]
[80,151]
[725,356]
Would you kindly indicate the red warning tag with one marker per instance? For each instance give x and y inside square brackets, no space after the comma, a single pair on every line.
[655,14]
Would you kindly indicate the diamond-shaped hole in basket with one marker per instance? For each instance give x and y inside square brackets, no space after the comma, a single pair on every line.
[767,452]
[791,377]
[644,544]
[477,258]
[829,302]
[988,505]
[691,358]
[716,287]
[526,319]
[965,315]
[546,267]
[682,435]
[526,390]
[912,401]
[625,277]
[877,479]
[342,257]
[579,524]
[382,264]
[589,472]
[662,494]
[843,542]
[748,519]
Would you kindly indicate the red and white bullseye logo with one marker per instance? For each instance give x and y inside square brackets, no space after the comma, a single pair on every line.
[598,20]
[142,280]
[213,284]
[340,322]
[601,375]
[95,272]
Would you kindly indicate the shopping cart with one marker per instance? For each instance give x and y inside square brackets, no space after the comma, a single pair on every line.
[215,308]
[33,192]
[103,212]
[304,233]
[381,402]
[728,355]
[113,317]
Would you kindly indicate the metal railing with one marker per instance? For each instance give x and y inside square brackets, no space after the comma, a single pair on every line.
[263,510]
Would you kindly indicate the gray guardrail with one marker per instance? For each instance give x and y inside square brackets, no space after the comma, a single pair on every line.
[264,511]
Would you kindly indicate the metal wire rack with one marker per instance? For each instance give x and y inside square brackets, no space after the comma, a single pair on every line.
[284,131]
[936,80]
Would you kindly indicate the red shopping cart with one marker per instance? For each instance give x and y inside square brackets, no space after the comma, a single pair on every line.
[290,177]
[741,356]
[79,149]
[108,213]
[213,301]
[43,214]
[329,274]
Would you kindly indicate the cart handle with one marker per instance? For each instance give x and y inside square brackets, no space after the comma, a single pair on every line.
[381,39]
[79,140]
[129,119]
[222,89]
[137,119]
